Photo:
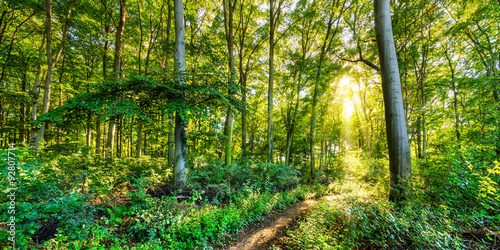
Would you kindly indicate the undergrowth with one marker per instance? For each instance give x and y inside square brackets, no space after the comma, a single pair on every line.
[95,203]
[453,205]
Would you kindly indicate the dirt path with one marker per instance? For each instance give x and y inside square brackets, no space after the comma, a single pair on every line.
[269,232]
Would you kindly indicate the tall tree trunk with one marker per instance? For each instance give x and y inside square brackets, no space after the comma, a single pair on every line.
[22,111]
[116,70]
[289,134]
[139,140]
[424,132]
[36,91]
[105,53]
[324,50]
[271,82]
[171,118]
[397,135]
[419,137]
[455,96]
[252,140]
[130,140]
[181,160]
[46,99]
[228,25]
[104,74]
[141,38]
[171,136]
[51,63]
[89,115]
[61,77]
[98,134]
[120,136]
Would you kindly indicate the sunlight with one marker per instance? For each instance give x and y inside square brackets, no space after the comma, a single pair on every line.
[345,89]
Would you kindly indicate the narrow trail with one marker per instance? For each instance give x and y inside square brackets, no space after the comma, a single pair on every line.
[271,231]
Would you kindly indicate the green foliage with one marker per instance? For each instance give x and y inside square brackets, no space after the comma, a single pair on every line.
[465,178]
[357,223]
[452,194]
[257,176]
[185,225]
[41,200]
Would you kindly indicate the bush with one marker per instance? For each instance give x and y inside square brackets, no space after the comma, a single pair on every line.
[256,176]
[356,223]
[42,205]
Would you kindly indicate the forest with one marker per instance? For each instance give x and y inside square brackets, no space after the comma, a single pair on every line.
[249,124]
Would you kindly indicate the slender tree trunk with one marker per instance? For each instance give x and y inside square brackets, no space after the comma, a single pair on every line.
[315,99]
[228,24]
[51,63]
[36,91]
[270,87]
[181,160]
[130,140]
[116,70]
[61,77]
[289,135]
[89,120]
[397,135]
[104,74]
[171,136]
[22,110]
[252,140]
[98,134]
[46,100]
[171,118]
[419,137]
[455,96]
[105,53]
[424,132]
[140,40]
[139,140]
[60,104]
[111,135]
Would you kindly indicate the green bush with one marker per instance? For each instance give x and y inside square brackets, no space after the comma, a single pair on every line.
[257,176]
[356,223]
[41,200]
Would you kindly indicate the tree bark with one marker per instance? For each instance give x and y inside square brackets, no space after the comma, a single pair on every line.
[51,63]
[36,91]
[46,100]
[455,96]
[228,25]
[22,111]
[397,135]
[116,70]
[171,118]
[181,160]
[140,40]
[324,50]
[270,87]
[61,96]
[139,140]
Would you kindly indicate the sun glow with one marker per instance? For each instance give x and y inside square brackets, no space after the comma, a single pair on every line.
[346,96]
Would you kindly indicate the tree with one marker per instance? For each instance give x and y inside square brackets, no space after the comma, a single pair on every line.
[116,69]
[397,135]
[325,48]
[274,16]
[228,27]
[181,160]
[50,61]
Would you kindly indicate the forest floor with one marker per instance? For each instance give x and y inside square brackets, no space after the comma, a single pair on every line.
[273,228]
